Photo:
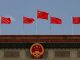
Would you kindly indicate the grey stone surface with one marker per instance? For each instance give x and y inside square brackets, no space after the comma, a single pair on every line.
[49,54]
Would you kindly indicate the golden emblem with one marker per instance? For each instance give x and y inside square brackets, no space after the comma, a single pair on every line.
[36,50]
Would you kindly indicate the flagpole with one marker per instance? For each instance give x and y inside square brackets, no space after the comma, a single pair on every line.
[36,26]
[72,28]
[0,26]
[23,25]
[36,22]
[51,32]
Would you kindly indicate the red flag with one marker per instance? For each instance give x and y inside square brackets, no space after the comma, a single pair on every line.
[5,20]
[27,20]
[54,20]
[76,20]
[42,15]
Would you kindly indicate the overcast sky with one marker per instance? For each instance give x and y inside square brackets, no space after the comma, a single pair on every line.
[63,9]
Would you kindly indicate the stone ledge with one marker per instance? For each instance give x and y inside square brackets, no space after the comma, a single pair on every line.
[40,38]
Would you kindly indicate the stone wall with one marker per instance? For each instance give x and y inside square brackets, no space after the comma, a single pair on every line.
[50,54]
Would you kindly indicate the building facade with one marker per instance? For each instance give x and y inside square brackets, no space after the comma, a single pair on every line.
[55,47]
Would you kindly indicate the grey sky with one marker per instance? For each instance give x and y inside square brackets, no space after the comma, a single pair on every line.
[63,9]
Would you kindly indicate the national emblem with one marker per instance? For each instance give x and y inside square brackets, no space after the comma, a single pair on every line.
[36,50]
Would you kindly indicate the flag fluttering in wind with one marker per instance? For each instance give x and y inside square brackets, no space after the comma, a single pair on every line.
[42,15]
[27,20]
[54,20]
[76,20]
[5,20]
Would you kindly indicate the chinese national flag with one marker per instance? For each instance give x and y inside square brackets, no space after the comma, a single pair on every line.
[5,20]
[76,20]
[42,15]
[54,20]
[27,20]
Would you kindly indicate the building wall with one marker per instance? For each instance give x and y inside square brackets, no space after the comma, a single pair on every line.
[50,54]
